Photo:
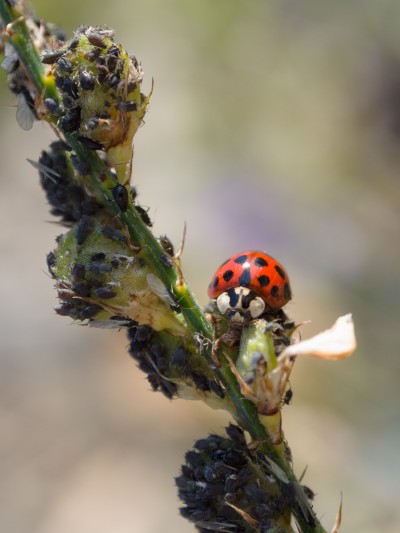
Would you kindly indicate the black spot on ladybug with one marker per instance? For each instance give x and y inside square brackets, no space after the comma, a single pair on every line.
[241,259]
[280,271]
[263,281]
[287,292]
[227,275]
[260,262]
[233,298]
[245,277]
[215,282]
[275,291]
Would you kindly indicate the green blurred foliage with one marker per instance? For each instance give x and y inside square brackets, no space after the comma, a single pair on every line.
[273,125]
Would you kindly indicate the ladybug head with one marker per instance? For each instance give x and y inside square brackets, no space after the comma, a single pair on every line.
[240,305]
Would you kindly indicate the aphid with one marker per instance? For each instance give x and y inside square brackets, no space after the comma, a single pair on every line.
[216,388]
[86,81]
[71,120]
[98,267]
[105,293]
[65,65]
[96,39]
[165,258]
[73,44]
[131,86]
[93,55]
[82,229]
[167,245]
[111,61]
[144,215]
[143,333]
[82,288]
[121,197]
[59,81]
[98,256]
[113,80]
[200,381]
[78,272]
[48,58]
[53,106]
[248,284]
[51,263]
[70,87]
[287,398]
[66,309]
[158,287]
[89,311]
[126,107]
[113,50]
[114,234]
[81,166]
[135,62]
[90,143]
[179,357]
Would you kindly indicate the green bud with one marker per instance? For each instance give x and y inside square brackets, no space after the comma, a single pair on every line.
[99,88]
[100,277]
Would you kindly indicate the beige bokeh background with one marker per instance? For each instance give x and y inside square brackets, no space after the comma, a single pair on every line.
[273,125]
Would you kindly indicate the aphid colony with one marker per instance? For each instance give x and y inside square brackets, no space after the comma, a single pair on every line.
[221,475]
[100,93]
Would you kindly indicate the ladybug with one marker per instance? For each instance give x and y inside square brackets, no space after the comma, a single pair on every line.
[248,284]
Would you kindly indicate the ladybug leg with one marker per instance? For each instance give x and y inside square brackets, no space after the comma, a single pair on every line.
[244,388]
[229,338]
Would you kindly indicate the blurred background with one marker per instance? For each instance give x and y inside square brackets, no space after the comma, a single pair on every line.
[273,125]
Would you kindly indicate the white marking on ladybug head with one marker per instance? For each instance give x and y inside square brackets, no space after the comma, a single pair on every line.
[240,305]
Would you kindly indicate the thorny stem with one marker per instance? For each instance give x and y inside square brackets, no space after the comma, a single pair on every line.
[246,413]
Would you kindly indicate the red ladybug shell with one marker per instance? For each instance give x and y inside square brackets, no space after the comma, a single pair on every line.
[259,272]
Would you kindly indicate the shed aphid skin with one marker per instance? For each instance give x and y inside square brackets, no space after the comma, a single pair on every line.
[249,284]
